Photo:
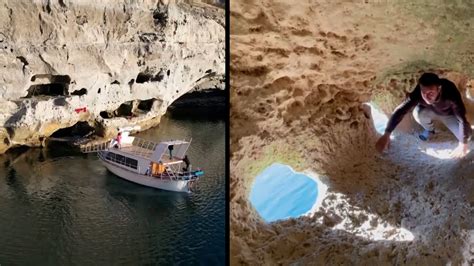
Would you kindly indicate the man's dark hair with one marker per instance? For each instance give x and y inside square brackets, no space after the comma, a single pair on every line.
[428,79]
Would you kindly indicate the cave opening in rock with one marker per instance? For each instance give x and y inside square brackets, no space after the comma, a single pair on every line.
[470,90]
[105,114]
[214,98]
[199,104]
[52,89]
[49,85]
[440,145]
[78,130]
[281,193]
[145,105]
[80,92]
[143,77]
[124,110]
[51,78]
[160,16]
[379,118]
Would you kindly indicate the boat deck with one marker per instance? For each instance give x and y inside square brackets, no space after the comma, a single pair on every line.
[146,153]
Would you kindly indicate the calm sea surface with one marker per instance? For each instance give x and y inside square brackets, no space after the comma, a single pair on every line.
[60,207]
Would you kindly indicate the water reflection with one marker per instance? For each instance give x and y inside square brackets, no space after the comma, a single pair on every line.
[59,206]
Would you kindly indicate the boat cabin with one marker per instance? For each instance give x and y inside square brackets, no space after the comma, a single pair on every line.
[147,157]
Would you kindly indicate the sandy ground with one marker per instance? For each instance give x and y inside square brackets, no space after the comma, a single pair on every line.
[300,73]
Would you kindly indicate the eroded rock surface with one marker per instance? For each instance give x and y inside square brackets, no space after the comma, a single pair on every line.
[62,62]
[300,75]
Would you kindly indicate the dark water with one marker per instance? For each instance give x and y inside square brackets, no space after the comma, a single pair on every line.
[61,207]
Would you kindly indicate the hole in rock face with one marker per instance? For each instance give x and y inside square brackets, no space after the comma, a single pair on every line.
[160,15]
[439,147]
[280,193]
[105,114]
[52,78]
[146,105]
[379,118]
[470,90]
[80,92]
[124,110]
[143,77]
[79,129]
[210,103]
[52,89]
[148,77]
[158,77]
[49,85]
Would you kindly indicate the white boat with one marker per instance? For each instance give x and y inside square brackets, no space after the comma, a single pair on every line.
[162,165]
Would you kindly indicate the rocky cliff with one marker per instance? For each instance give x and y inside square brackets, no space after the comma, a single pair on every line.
[107,63]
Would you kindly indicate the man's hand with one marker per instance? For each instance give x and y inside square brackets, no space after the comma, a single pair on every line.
[383,143]
[460,151]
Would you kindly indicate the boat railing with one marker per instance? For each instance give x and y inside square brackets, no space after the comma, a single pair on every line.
[171,174]
[179,173]
[95,147]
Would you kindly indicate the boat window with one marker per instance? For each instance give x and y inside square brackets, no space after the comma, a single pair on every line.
[132,163]
[122,160]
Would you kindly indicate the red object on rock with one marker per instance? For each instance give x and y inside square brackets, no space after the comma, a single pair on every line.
[83,109]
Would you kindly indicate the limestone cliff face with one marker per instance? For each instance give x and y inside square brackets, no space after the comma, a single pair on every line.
[109,63]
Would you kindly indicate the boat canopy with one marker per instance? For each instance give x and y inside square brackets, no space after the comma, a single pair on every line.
[169,150]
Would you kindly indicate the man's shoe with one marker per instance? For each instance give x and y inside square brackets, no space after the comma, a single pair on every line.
[425,135]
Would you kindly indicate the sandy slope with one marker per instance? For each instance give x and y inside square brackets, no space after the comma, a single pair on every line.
[299,75]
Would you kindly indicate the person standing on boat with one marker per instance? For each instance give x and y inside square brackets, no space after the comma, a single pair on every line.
[187,162]
[170,148]
[117,143]
[433,99]
[148,170]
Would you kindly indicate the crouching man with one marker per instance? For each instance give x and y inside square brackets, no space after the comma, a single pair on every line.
[433,99]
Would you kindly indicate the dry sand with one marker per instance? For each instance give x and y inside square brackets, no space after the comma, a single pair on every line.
[300,73]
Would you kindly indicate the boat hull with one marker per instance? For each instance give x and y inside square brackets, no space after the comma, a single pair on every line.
[171,185]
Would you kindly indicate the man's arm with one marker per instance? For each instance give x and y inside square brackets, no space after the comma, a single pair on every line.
[401,110]
[459,111]
[411,101]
